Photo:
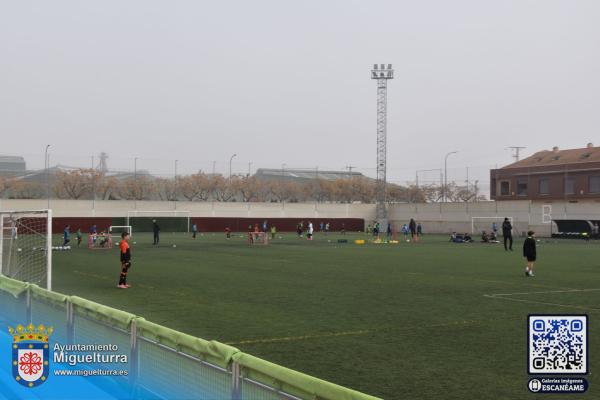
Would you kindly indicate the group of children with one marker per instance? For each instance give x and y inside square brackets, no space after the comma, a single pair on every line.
[413,228]
[324,227]
[529,245]
[67,236]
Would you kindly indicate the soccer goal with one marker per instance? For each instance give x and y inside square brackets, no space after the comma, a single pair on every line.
[102,240]
[26,246]
[168,221]
[115,231]
[480,224]
[258,238]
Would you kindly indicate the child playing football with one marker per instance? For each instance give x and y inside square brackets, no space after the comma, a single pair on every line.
[529,252]
[125,254]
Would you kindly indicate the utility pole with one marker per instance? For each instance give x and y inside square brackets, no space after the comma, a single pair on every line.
[516,151]
[446,174]
[350,168]
[135,187]
[93,175]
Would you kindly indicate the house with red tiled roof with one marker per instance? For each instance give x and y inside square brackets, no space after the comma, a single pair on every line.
[571,175]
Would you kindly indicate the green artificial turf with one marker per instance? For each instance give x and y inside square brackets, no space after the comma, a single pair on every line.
[404,321]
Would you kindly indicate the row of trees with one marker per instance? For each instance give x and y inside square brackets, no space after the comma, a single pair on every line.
[90,183]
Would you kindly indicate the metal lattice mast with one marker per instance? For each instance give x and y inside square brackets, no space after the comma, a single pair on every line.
[381,74]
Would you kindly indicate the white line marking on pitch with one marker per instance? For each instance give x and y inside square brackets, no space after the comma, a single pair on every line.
[547,291]
[543,303]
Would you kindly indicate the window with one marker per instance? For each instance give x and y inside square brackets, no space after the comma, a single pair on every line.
[522,188]
[569,185]
[544,186]
[594,184]
[504,188]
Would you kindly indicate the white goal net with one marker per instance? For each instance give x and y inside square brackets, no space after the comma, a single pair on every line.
[26,246]
[115,231]
[487,224]
[258,238]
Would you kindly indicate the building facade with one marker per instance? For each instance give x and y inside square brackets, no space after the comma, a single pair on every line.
[569,175]
[12,165]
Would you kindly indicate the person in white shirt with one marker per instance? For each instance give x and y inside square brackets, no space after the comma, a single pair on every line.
[309,232]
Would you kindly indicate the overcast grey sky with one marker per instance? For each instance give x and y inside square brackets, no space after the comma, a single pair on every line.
[288,81]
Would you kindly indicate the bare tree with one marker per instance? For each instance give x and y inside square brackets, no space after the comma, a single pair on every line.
[167,189]
[5,184]
[139,188]
[320,190]
[250,189]
[222,190]
[195,187]
[105,187]
[26,190]
[283,190]
[72,184]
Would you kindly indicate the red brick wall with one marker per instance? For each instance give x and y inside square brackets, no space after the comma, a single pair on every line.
[216,224]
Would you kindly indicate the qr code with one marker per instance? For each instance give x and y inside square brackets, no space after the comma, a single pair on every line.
[557,344]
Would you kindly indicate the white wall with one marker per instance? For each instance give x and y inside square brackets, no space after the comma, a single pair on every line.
[119,208]
[449,217]
[435,217]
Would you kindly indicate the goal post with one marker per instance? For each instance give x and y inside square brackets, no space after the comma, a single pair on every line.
[117,230]
[26,246]
[169,221]
[480,224]
[258,238]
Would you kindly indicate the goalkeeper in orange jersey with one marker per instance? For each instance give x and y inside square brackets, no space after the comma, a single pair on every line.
[125,253]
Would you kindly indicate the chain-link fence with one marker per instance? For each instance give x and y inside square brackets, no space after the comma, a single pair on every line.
[162,363]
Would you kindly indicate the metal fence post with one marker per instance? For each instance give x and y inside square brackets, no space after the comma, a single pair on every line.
[236,389]
[28,305]
[133,360]
[70,322]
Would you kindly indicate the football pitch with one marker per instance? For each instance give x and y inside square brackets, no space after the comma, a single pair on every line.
[407,321]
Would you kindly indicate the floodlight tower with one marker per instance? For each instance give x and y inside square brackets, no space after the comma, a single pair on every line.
[381,74]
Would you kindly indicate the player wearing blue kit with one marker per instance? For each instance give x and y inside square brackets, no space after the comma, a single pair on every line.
[66,235]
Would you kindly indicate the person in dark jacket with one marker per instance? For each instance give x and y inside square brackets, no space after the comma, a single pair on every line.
[156,230]
[529,252]
[507,234]
[412,227]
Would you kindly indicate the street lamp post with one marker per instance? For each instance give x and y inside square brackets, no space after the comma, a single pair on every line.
[446,174]
[93,175]
[47,165]
[230,161]
[135,188]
